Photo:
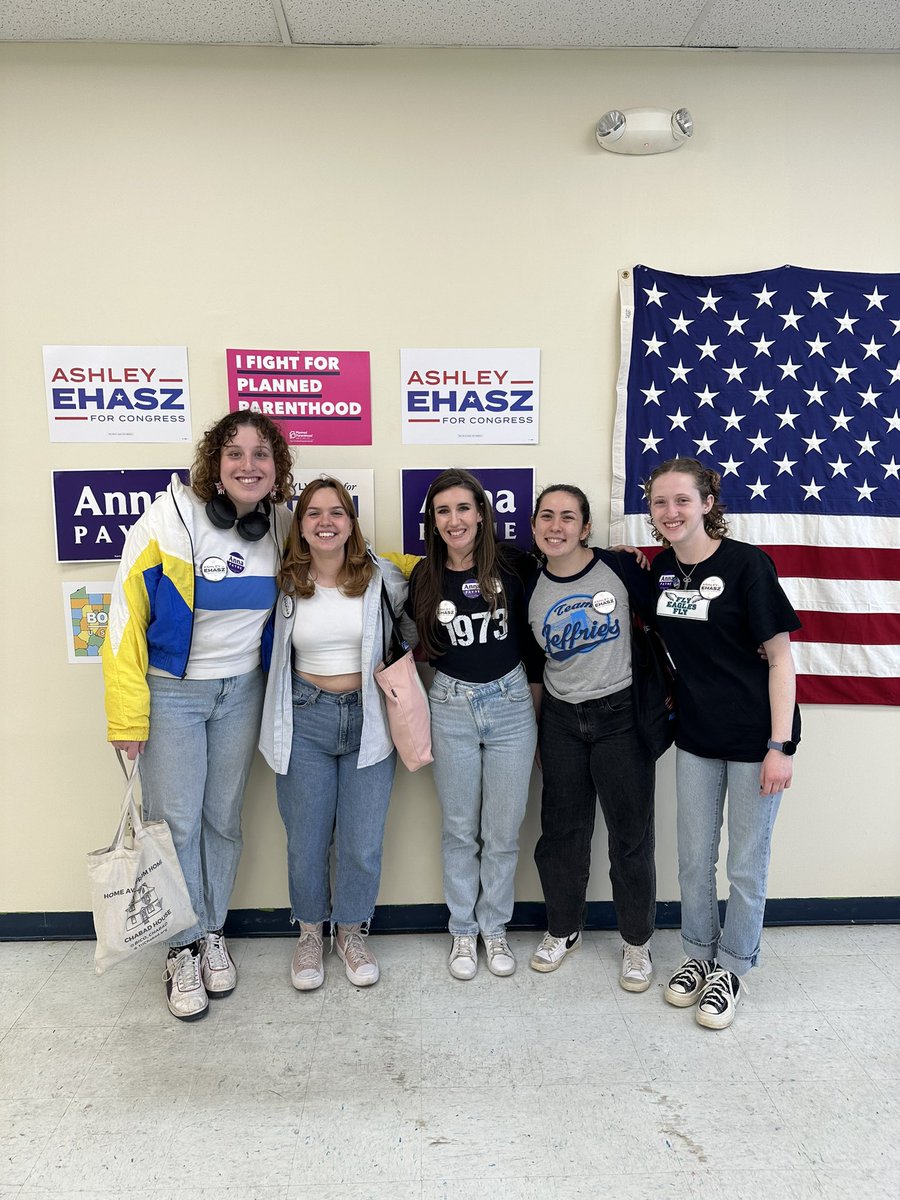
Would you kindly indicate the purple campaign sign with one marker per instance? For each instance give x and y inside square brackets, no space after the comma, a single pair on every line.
[95,509]
[511,490]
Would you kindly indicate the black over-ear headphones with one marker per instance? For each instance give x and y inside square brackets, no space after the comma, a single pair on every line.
[252,527]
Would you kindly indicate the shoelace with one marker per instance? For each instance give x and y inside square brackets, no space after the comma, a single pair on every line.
[356,952]
[637,958]
[498,945]
[686,975]
[184,969]
[463,946]
[719,991]
[216,953]
[309,950]
[549,943]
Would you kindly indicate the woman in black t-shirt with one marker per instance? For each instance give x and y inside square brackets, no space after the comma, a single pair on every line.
[738,725]
[469,607]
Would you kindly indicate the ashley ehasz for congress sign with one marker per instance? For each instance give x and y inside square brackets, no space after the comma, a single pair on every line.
[489,397]
[117,393]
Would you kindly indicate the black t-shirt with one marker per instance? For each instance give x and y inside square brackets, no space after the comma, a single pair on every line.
[478,645]
[712,630]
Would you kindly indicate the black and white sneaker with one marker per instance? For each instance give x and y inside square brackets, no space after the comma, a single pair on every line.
[719,999]
[185,993]
[685,986]
[553,950]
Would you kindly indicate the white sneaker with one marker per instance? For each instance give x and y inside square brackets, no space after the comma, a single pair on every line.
[500,959]
[637,969]
[553,950]
[185,993]
[719,999]
[307,970]
[217,966]
[359,962]
[463,960]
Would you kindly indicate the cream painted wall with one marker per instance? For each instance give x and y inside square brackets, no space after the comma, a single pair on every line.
[373,199]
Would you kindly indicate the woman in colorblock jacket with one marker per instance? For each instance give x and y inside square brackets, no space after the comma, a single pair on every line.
[190,624]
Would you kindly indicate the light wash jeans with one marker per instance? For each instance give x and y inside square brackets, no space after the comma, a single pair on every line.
[203,734]
[483,739]
[701,786]
[325,798]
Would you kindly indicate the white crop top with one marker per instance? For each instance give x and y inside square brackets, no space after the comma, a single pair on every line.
[327,633]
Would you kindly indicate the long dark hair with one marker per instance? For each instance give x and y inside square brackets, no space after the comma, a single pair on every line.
[353,577]
[430,572]
[707,481]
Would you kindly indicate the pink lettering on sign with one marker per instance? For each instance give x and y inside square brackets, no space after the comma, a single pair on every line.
[318,397]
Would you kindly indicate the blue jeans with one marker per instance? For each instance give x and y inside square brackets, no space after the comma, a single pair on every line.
[592,751]
[483,738]
[701,786]
[323,799]
[203,734]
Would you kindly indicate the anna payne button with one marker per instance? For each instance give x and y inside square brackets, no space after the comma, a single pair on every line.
[214,569]
[287,605]
[712,588]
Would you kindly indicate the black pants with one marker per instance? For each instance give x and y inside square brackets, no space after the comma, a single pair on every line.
[591,751]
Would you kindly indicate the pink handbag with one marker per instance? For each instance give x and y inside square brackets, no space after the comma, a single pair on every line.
[408,714]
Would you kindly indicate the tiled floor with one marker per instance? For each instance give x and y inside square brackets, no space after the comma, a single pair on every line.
[535,1087]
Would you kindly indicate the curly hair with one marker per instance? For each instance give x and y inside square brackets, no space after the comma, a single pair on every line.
[430,572]
[353,577]
[206,469]
[708,483]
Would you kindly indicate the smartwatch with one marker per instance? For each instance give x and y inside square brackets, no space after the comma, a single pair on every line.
[784,747]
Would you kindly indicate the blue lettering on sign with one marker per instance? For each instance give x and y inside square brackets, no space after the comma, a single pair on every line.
[100,399]
[572,627]
[495,400]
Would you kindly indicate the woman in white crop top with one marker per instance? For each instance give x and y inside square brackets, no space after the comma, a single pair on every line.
[324,728]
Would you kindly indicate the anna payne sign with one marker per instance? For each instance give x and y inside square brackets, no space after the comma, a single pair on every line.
[95,509]
[488,397]
[510,490]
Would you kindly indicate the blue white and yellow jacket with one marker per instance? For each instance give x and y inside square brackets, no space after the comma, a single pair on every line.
[151,614]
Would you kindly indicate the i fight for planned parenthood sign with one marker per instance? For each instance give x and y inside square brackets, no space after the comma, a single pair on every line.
[317,397]
[117,393]
[487,397]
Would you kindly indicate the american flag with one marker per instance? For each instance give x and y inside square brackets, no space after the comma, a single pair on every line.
[787,382]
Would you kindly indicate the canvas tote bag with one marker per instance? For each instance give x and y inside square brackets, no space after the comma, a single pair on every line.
[138,893]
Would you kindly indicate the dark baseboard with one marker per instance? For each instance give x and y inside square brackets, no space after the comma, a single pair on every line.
[432,918]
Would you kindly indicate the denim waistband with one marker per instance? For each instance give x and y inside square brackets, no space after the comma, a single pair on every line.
[501,685]
[346,698]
